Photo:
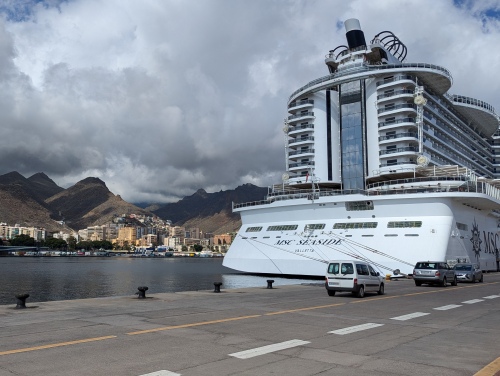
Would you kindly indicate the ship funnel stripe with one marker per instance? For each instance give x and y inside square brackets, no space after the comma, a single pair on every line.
[355,37]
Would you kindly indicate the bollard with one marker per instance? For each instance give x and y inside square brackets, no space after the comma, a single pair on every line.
[270,283]
[21,300]
[142,292]
[217,286]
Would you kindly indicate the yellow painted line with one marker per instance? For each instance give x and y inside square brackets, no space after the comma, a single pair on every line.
[190,325]
[52,345]
[492,369]
[379,298]
[303,309]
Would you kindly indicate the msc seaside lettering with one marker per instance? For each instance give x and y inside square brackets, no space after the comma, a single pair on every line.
[490,242]
[309,242]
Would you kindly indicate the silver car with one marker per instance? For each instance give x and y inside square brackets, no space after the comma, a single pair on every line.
[468,272]
[434,273]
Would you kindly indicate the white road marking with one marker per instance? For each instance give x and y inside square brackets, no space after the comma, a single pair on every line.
[268,349]
[473,301]
[491,297]
[447,307]
[410,316]
[357,328]
[162,373]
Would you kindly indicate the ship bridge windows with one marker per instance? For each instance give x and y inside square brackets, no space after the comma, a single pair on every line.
[314,226]
[354,225]
[359,205]
[282,228]
[404,224]
[462,226]
[254,229]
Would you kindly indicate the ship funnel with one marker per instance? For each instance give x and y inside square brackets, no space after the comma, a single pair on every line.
[355,37]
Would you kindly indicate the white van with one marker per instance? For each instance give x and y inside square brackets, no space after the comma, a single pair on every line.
[353,276]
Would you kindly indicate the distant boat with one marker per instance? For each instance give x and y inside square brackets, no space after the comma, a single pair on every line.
[206,253]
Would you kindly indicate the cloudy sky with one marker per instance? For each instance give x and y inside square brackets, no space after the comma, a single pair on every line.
[159,98]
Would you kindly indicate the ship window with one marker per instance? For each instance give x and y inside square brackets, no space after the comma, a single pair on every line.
[359,205]
[392,162]
[404,224]
[391,235]
[367,235]
[282,228]
[354,225]
[314,226]
[254,229]
[462,226]
[411,234]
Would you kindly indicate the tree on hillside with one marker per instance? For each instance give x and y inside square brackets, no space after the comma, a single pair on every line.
[87,245]
[55,243]
[72,243]
[22,240]
[198,248]
[104,244]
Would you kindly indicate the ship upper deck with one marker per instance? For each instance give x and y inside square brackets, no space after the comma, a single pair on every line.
[437,78]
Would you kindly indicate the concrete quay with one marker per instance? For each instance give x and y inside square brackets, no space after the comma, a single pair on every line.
[287,330]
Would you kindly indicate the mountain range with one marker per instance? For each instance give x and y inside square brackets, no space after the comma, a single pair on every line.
[38,201]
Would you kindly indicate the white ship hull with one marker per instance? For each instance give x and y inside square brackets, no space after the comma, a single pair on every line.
[442,235]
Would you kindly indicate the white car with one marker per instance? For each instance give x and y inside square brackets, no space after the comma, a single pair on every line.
[356,277]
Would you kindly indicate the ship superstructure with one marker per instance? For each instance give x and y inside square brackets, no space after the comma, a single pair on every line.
[382,164]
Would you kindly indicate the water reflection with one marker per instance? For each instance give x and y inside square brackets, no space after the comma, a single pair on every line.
[62,278]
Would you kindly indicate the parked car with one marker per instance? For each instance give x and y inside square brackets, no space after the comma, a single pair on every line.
[434,273]
[468,272]
[356,277]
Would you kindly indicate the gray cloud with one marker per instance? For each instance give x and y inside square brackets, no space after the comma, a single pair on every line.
[160,98]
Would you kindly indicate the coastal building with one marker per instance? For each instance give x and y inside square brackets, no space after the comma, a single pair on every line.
[126,236]
[9,232]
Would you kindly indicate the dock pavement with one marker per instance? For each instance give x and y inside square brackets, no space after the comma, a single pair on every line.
[285,330]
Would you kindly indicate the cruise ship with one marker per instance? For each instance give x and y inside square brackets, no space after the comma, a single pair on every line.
[382,165]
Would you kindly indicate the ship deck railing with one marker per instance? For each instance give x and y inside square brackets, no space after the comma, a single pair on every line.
[468,186]
[363,67]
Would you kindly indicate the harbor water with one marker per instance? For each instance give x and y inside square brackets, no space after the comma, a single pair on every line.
[64,278]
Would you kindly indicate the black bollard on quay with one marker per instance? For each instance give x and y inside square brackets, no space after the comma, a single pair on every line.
[142,292]
[270,283]
[217,286]
[21,300]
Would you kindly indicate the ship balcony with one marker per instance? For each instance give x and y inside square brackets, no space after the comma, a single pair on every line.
[482,113]
[303,116]
[397,123]
[404,136]
[300,153]
[394,95]
[301,141]
[404,108]
[300,104]
[396,152]
[398,80]
[293,167]
[300,128]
